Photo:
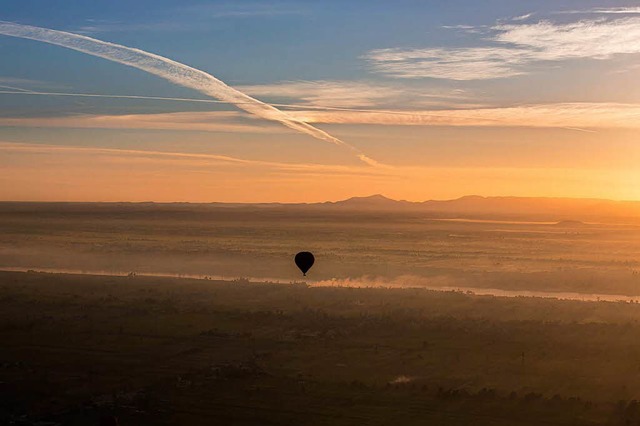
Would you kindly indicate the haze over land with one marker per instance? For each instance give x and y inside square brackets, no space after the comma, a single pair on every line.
[586,246]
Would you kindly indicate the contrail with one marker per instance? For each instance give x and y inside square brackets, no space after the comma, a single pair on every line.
[15,88]
[415,115]
[175,72]
[295,167]
[14,91]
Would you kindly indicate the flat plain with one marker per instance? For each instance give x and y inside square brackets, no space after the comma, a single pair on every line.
[370,247]
[365,340]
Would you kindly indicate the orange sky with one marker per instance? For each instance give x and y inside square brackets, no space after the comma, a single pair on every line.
[520,102]
[51,173]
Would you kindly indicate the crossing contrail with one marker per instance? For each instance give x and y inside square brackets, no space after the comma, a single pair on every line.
[19,91]
[420,118]
[174,72]
[14,89]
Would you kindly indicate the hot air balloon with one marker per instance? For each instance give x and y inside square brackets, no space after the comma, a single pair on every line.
[304,260]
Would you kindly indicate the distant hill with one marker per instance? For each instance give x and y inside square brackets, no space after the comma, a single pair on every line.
[377,201]
[563,211]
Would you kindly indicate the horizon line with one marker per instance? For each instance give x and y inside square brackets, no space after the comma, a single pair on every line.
[355,197]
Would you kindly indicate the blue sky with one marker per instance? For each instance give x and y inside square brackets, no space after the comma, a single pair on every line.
[250,42]
[517,84]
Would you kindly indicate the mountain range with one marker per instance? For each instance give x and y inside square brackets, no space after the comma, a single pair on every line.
[569,210]
[474,206]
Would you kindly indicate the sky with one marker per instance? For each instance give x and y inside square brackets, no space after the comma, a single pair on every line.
[307,101]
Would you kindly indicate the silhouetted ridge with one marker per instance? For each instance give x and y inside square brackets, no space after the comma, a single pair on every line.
[371,199]
[467,207]
[377,201]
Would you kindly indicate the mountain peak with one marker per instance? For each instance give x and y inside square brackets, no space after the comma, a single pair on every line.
[370,201]
[372,198]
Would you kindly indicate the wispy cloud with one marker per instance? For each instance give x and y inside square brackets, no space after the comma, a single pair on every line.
[191,158]
[476,63]
[176,73]
[511,48]
[432,98]
[332,93]
[214,121]
[354,94]
[523,17]
[572,116]
[459,27]
[593,39]
[605,11]
[468,29]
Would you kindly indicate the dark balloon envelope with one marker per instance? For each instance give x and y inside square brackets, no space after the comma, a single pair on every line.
[304,260]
